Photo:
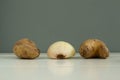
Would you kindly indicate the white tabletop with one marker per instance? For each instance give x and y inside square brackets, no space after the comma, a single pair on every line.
[43,68]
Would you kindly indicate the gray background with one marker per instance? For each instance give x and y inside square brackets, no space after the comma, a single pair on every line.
[46,21]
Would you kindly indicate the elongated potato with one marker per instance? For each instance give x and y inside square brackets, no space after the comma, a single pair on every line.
[93,48]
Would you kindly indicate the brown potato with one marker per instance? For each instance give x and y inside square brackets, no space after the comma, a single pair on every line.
[26,49]
[93,48]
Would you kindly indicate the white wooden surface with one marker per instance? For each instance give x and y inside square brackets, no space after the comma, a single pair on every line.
[43,68]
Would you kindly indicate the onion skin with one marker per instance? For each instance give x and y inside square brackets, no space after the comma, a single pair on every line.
[93,48]
[60,50]
[26,49]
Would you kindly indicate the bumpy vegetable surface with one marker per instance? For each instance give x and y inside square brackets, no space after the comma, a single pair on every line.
[26,49]
[93,48]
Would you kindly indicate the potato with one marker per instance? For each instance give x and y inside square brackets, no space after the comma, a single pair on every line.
[26,49]
[93,48]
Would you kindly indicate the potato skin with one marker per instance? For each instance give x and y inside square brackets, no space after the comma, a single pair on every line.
[26,49]
[93,48]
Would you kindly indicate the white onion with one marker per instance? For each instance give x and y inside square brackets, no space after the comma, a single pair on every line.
[61,50]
